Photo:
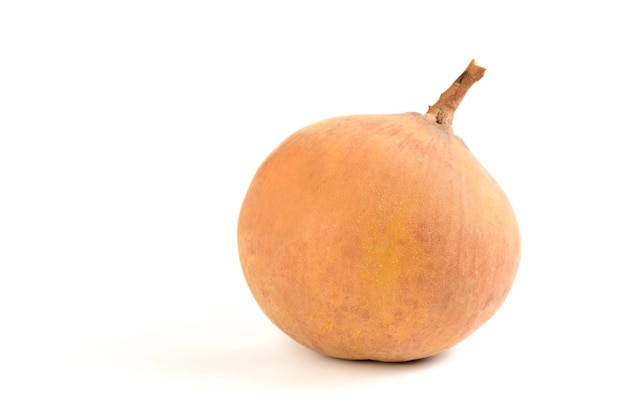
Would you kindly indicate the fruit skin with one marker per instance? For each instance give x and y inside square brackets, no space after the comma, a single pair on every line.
[377,237]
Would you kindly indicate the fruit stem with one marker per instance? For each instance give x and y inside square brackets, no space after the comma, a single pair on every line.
[444,108]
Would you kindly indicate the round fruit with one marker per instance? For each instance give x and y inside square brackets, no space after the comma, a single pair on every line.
[379,236]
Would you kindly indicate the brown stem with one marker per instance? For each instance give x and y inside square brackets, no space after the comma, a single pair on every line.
[444,108]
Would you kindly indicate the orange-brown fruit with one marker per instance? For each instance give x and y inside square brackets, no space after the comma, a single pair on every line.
[379,236]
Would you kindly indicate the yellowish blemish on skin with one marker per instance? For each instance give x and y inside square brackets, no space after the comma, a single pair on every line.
[380,277]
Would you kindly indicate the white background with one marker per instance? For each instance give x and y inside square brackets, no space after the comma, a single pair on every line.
[130,130]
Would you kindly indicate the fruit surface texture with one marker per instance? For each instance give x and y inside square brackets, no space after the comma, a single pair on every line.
[378,237]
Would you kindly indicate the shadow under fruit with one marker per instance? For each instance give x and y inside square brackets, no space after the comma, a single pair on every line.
[379,236]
